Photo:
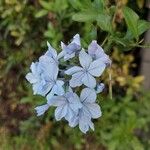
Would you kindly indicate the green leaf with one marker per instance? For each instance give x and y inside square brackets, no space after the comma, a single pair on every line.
[75,4]
[46,5]
[84,16]
[99,5]
[104,22]
[143,26]
[41,13]
[25,100]
[131,19]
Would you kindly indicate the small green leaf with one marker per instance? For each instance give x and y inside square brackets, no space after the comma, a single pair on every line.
[75,4]
[104,22]
[46,5]
[25,100]
[99,5]
[41,13]
[131,19]
[143,26]
[84,16]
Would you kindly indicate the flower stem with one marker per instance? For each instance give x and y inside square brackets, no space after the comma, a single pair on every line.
[110,83]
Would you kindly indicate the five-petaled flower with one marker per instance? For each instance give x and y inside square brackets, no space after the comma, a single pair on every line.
[69,51]
[88,111]
[85,74]
[67,105]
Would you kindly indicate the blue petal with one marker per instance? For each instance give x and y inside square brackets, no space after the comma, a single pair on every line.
[42,87]
[61,54]
[57,88]
[34,67]
[71,48]
[74,103]
[73,70]
[76,39]
[85,123]
[61,112]
[88,95]
[74,121]
[94,110]
[51,51]
[70,115]
[76,79]
[31,78]
[56,100]
[85,59]
[96,68]
[100,87]
[96,52]
[89,80]
[41,109]
[69,56]
[63,46]
[49,68]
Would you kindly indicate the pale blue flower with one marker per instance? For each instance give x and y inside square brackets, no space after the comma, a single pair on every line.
[52,54]
[69,51]
[35,78]
[43,77]
[100,87]
[88,111]
[67,105]
[85,74]
[97,52]
[40,110]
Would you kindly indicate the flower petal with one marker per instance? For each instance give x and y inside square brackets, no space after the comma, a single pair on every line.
[57,88]
[60,112]
[76,39]
[95,50]
[89,80]
[51,51]
[41,109]
[74,103]
[69,56]
[100,87]
[74,121]
[96,68]
[94,110]
[71,48]
[76,79]
[85,59]
[73,70]
[31,78]
[85,123]
[88,95]
[34,67]
[49,67]
[42,87]
[61,54]
[56,100]
[70,114]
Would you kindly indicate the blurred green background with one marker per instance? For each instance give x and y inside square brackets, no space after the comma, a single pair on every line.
[119,26]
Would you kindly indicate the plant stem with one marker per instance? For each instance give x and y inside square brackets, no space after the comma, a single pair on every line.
[110,84]
[105,40]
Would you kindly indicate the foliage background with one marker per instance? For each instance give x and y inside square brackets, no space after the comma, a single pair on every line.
[26,25]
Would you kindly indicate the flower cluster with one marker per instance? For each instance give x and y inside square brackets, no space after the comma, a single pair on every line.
[53,78]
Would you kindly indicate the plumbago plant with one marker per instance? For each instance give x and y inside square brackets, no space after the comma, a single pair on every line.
[59,82]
